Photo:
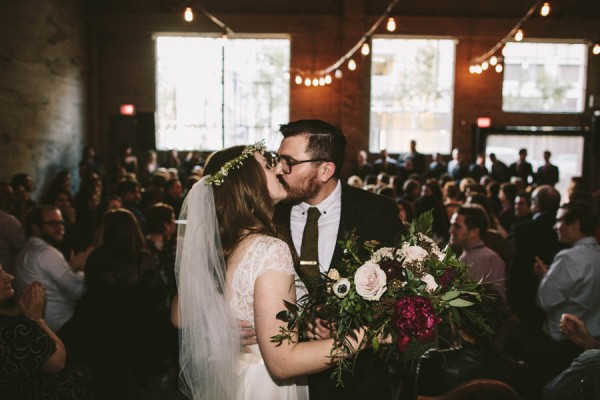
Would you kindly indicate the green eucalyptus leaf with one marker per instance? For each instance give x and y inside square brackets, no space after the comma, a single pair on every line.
[460,303]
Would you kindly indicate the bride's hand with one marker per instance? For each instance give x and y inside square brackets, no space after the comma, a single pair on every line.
[247,336]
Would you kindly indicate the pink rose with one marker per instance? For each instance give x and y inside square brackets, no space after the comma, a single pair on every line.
[415,253]
[370,281]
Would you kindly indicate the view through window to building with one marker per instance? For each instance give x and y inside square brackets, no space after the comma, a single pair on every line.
[412,93]
[213,93]
[544,77]
[567,153]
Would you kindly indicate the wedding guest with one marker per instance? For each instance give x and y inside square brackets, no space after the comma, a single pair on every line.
[386,164]
[478,168]
[437,167]
[467,227]
[11,233]
[33,356]
[457,167]
[547,174]
[148,167]
[499,171]
[40,261]
[522,168]
[362,167]
[417,159]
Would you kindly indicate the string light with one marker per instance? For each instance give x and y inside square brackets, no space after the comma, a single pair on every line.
[328,79]
[315,82]
[391,24]
[484,65]
[596,49]
[338,73]
[519,35]
[472,68]
[298,80]
[478,69]
[499,68]
[545,10]
[188,14]
[516,33]
[307,81]
[365,49]
[321,81]
[351,65]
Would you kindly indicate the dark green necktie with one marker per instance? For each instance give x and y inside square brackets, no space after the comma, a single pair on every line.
[309,251]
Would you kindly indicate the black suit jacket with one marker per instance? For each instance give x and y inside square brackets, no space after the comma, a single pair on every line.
[375,218]
[532,238]
[547,175]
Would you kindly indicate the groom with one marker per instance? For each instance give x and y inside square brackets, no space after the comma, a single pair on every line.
[312,155]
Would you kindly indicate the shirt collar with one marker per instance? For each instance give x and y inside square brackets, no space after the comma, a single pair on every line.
[329,201]
[586,241]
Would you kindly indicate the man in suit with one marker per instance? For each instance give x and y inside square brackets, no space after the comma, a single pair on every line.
[547,174]
[535,238]
[312,155]
[418,159]
[499,171]
[522,168]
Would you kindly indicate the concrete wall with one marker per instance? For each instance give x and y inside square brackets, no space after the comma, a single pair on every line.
[42,87]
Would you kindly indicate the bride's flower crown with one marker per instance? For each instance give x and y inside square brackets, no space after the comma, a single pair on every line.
[218,177]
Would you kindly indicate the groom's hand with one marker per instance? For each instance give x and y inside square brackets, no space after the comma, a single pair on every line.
[320,329]
[247,336]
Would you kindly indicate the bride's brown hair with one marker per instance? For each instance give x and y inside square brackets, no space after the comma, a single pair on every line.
[242,200]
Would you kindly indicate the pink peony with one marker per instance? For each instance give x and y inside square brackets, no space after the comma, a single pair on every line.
[415,253]
[370,281]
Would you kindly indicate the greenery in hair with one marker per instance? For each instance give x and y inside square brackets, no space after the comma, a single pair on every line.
[218,177]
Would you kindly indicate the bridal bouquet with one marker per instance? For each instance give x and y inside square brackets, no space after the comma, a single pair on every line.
[404,292]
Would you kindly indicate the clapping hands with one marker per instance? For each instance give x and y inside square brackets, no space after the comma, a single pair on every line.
[33,301]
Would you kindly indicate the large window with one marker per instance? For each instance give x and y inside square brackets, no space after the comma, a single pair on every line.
[214,93]
[544,77]
[412,91]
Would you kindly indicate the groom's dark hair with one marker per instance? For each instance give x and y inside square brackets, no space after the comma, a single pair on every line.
[324,140]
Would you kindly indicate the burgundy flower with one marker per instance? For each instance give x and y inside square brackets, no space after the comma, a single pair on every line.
[392,269]
[414,316]
[447,277]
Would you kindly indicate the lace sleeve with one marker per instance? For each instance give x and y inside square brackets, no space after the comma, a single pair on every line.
[272,254]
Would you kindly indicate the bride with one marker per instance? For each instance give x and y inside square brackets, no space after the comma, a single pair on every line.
[231,265]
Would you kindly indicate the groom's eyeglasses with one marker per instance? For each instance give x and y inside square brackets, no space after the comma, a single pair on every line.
[287,163]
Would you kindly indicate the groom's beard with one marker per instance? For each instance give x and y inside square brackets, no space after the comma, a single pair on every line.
[305,191]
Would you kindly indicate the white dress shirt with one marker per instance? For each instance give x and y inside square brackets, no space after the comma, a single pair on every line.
[329,223]
[41,262]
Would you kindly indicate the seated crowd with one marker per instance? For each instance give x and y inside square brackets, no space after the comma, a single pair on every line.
[94,271]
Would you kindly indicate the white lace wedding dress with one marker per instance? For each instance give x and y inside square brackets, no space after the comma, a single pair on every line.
[263,254]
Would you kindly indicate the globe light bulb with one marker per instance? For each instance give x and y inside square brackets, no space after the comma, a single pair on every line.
[298,80]
[321,81]
[328,79]
[493,60]
[472,68]
[499,68]
[188,14]
[307,82]
[338,73]
[596,49]
[519,35]
[545,10]
[365,49]
[478,69]
[351,65]
[484,65]
[315,82]
[391,24]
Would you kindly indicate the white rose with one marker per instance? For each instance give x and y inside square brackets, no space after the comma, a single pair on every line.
[370,281]
[415,253]
[382,254]
[431,283]
[341,288]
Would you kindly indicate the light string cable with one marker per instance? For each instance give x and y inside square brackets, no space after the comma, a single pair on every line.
[485,56]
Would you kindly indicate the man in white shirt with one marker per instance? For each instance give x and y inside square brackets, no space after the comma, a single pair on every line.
[40,261]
